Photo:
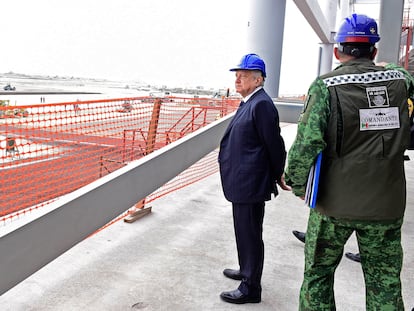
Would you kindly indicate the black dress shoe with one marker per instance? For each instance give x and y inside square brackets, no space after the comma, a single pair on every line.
[233,274]
[355,257]
[299,235]
[236,296]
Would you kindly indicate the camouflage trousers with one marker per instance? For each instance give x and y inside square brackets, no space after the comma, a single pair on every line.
[381,259]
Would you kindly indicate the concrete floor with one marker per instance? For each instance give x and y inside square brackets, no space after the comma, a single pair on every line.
[173,259]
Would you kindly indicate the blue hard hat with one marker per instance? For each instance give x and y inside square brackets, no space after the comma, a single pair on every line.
[358,28]
[251,62]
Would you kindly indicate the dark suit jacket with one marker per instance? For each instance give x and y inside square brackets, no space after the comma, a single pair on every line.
[252,152]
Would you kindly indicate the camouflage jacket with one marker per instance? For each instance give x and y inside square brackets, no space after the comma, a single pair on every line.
[312,125]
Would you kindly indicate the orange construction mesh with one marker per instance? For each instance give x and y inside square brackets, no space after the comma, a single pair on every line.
[49,150]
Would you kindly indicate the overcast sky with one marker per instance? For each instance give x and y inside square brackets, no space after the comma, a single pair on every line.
[171,42]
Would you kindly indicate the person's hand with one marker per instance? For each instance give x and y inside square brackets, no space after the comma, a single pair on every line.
[282,184]
[383,64]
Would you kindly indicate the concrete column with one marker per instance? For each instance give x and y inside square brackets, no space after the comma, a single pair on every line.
[325,58]
[345,9]
[326,50]
[389,28]
[265,38]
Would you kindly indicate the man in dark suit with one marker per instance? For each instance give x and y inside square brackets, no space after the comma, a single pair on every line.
[252,159]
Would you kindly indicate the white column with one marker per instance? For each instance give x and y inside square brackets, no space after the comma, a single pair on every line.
[326,50]
[389,28]
[265,38]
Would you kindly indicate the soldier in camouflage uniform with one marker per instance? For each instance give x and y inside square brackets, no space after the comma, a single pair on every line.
[357,116]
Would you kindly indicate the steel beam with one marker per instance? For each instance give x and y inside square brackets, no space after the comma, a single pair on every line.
[311,10]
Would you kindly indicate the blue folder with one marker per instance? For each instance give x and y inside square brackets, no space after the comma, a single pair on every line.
[313,182]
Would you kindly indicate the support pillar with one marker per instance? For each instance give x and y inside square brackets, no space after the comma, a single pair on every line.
[265,38]
[326,50]
[390,23]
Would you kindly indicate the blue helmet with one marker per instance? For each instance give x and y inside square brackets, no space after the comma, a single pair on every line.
[358,28]
[251,62]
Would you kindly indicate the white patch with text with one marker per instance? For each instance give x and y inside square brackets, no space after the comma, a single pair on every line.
[379,119]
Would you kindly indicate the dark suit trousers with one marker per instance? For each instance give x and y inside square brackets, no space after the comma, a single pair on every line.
[248,228]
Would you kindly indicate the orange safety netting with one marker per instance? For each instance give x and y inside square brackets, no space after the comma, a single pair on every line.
[49,150]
